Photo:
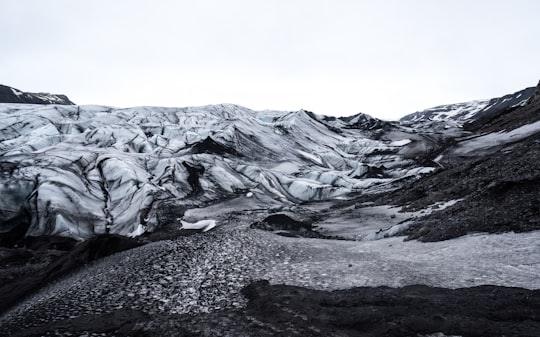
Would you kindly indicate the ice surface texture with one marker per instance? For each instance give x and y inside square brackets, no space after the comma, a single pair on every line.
[81,170]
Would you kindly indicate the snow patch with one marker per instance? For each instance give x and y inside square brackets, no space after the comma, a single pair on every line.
[16,92]
[398,226]
[204,225]
[139,230]
[498,138]
[311,157]
[402,142]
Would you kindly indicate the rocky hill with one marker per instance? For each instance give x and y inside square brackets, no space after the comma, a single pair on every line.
[12,95]
[469,111]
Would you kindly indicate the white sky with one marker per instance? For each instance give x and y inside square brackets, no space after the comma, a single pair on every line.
[334,57]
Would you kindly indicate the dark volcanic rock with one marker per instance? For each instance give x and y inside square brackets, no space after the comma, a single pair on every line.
[208,145]
[408,311]
[501,193]
[535,98]
[88,251]
[503,207]
[97,247]
[284,225]
[12,95]
[281,310]
[497,105]
[17,227]
[507,119]
[194,171]
[47,242]
[285,222]
[365,122]
[493,107]
[121,322]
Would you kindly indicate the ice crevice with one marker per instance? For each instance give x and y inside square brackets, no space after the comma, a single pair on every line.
[109,220]
[100,169]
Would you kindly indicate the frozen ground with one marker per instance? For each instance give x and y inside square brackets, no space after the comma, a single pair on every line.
[203,273]
[365,221]
[502,259]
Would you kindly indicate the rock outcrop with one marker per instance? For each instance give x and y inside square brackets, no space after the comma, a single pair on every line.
[12,95]
[535,98]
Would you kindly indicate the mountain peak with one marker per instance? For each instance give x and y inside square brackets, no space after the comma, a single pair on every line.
[12,95]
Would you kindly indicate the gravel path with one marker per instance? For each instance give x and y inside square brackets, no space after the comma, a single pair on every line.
[205,272]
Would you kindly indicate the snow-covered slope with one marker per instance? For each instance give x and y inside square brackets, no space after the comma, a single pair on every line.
[467,111]
[80,170]
[12,95]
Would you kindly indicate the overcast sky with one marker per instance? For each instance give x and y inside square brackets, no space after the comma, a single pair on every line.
[333,57]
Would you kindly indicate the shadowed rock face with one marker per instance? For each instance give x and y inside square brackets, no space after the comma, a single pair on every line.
[535,99]
[471,111]
[284,225]
[285,222]
[365,122]
[12,95]
[16,226]
[194,173]
[508,118]
[75,257]
[208,145]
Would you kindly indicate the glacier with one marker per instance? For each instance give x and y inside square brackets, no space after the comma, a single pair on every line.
[77,171]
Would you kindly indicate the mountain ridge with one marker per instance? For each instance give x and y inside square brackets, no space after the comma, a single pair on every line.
[468,111]
[12,95]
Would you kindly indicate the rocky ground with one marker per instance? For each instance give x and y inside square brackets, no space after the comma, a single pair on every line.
[500,193]
[193,286]
[494,186]
[43,260]
[280,310]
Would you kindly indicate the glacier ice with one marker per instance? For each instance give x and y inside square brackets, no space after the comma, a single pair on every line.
[81,170]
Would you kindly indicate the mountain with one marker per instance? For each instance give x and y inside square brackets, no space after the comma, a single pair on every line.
[12,95]
[167,221]
[467,111]
[492,172]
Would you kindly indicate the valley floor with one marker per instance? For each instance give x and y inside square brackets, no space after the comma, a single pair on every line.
[205,273]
